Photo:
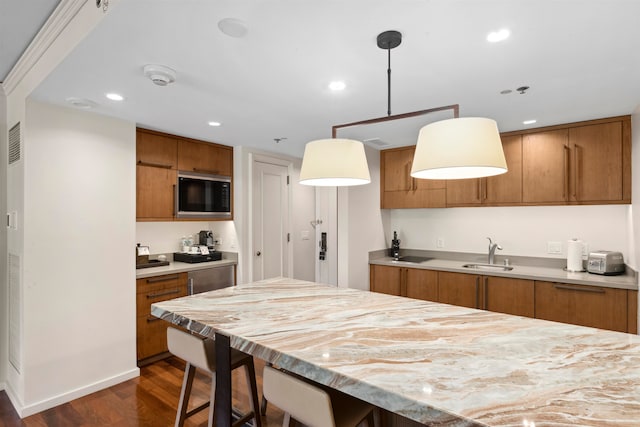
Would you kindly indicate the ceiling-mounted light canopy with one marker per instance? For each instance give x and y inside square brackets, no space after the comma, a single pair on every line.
[334,162]
[468,147]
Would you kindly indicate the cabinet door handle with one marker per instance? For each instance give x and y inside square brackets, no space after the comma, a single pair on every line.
[485,184]
[478,190]
[211,172]
[162,294]
[574,288]
[576,170]
[154,165]
[486,293]
[152,319]
[565,173]
[162,278]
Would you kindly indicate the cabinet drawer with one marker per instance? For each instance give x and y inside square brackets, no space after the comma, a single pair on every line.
[151,336]
[159,288]
[598,307]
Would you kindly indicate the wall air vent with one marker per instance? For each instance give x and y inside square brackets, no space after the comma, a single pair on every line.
[14,144]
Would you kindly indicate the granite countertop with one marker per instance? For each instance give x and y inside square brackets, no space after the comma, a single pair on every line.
[429,362]
[522,269]
[181,267]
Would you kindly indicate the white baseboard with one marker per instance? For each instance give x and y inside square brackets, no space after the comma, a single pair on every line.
[27,410]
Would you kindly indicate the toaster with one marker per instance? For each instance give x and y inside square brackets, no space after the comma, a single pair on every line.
[605,262]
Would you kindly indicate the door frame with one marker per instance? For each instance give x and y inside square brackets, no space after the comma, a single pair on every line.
[261,158]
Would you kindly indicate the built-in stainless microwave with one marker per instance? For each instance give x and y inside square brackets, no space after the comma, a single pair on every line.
[203,196]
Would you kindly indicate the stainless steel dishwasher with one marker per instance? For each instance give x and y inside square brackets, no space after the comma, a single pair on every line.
[209,279]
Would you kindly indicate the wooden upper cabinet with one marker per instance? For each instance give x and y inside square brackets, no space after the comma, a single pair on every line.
[464,192]
[545,168]
[501,189]
[399,189]
[203,157]
[155,189]
[507,187]
[597,162]
[156,150]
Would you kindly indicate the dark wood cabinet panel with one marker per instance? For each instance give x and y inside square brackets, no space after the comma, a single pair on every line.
[157,150]
[596,162]
[545,169]
[508,295]
[203,157]
[632,312]
[399,190]
[421,284]
[506,188]
[598,307]
[151,332]
[385,279]
[155,193]
[459,289]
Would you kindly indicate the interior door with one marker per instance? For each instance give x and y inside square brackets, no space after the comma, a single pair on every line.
[270,221]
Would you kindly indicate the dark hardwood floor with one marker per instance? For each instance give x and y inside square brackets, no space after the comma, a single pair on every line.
[149,400]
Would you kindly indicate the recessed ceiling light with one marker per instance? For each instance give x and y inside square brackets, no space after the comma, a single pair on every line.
[115,96]
[214,124]
[233,27]
[529,122]
[82,103]
[337,85]
[498,36]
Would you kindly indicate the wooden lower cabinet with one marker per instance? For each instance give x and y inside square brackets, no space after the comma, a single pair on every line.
[459,289]
[385,280]
[632,312]
[407,282]
[152,331]
[598,307]
[507,295]
[585,305]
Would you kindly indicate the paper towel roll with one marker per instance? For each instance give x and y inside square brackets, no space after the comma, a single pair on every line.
[574,255]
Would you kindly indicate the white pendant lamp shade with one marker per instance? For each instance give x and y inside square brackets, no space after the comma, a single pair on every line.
[468,147]
[334,162]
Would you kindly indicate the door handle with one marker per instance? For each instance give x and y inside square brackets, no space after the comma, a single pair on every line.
[258,253]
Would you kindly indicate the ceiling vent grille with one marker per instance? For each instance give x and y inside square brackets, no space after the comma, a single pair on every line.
[14,144]
[376,143]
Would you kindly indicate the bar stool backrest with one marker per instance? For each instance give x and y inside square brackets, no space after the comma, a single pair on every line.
[197,351]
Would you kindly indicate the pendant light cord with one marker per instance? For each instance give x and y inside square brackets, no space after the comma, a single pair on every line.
[388,82]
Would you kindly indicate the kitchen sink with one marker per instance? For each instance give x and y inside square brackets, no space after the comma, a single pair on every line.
[489,267]
[412,259]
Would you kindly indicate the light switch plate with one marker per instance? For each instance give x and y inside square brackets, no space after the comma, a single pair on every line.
[439,242]
[554,247]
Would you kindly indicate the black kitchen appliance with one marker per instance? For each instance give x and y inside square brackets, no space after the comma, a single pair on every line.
[193,258]
[205,238]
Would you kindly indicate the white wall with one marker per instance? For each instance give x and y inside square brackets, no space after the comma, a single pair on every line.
[634,222]
[78,265]
[522,231]
[362,222]
[164,237]
[4,291]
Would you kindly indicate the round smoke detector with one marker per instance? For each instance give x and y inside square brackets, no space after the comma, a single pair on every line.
[159,74]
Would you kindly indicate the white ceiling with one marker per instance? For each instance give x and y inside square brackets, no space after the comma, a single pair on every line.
[20,21]
[581,59]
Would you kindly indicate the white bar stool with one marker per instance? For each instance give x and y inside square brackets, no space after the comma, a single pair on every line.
[312,405]
[201,353]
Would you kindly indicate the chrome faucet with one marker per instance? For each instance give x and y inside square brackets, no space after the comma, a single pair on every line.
[492,250]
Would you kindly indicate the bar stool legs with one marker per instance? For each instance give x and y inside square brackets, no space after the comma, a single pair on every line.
[200,353]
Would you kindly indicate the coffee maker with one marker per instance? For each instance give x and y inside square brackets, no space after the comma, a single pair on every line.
[205,238]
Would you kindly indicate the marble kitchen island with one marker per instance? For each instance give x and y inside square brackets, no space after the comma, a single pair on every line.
[433,363]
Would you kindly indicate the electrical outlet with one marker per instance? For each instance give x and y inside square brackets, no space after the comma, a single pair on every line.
[439,242]
[554,247]
[304,235]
